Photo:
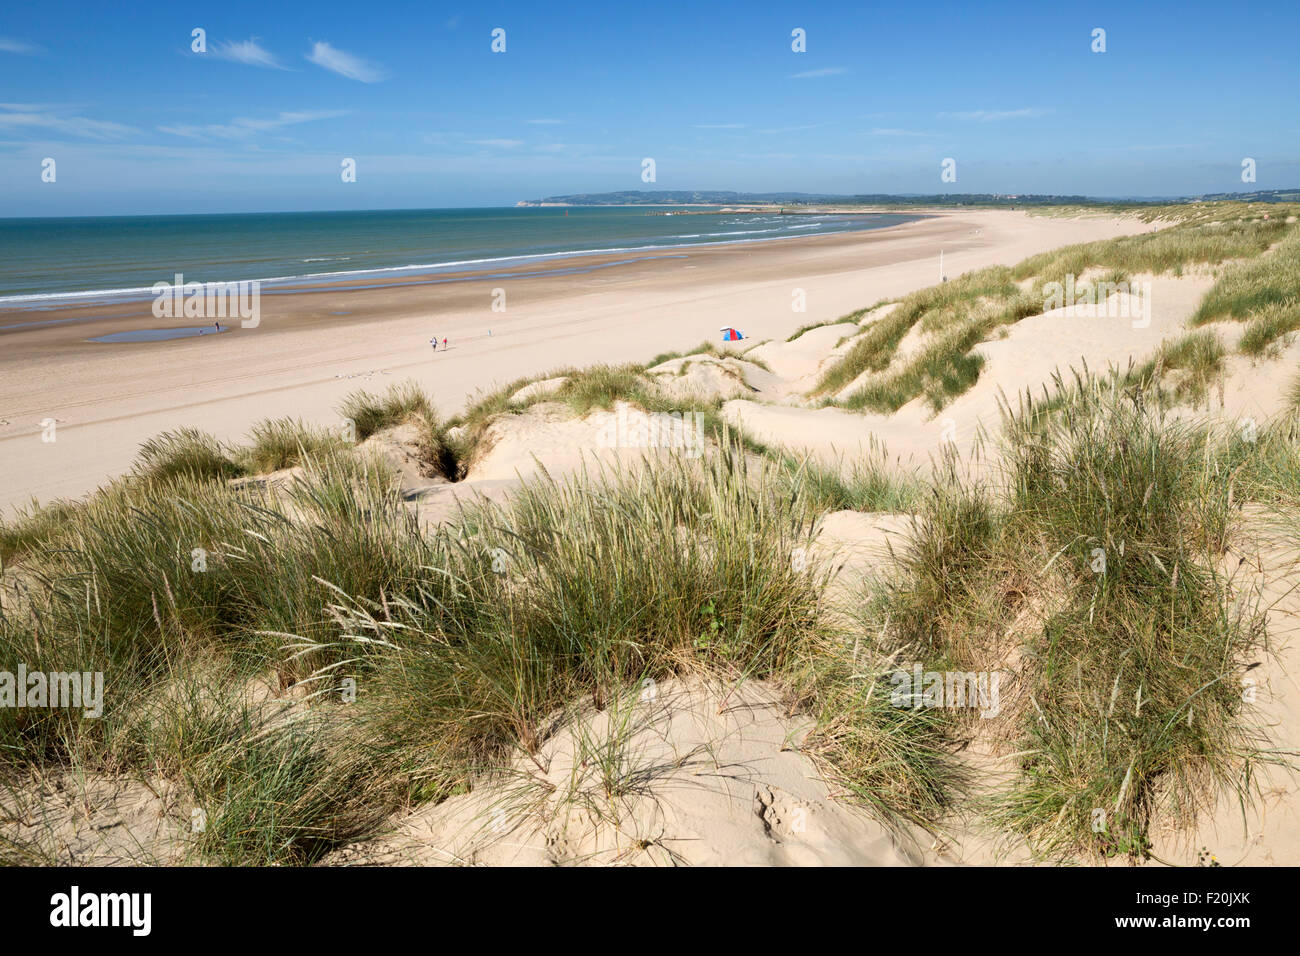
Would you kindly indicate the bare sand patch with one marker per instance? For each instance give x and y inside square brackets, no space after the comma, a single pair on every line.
[682,773]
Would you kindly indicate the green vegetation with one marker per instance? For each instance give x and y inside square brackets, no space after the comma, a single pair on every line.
[1268,325]
[873,351]
[1137,688]
[283,443]
[870,483]
[33,527]
[305,660]
[704,348]
[1265,463]
[187,455]
[851,319]
[1164,251]
[1094,557]
[370,413]
[583,390]
[184,453]
[943,367]
[1263,292]
[957,315]
[1198,357]
[463,642]
[1247,288]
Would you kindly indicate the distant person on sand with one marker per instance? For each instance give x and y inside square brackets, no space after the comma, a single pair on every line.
[434,342]
[444,345]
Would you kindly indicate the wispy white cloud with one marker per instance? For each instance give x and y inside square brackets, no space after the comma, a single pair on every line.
[1148,148]
[888,131]
[498,143]
[291,118]
[794,129]
[345,64]
[989,116]
[35,107]
[441,137]
[545,122]
[824,71]
[244,127]
[718,125]
[10,45]
[47,117]
[248,51]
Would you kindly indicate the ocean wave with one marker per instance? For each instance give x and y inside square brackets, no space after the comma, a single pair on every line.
[51,299]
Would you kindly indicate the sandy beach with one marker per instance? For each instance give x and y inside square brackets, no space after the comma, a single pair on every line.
[700,766]
[314,346]
[612,440]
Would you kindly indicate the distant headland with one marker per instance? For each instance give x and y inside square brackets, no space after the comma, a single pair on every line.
[670,197]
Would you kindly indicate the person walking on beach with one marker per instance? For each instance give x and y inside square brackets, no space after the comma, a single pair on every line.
[434,342]
[444,345]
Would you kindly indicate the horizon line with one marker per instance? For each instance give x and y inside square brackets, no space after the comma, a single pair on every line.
[939,199]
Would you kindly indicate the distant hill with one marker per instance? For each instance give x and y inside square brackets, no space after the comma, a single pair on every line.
[668,197]
[671,197]
[1263,195]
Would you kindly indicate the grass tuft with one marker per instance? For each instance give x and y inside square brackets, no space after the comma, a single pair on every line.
[283,443]
[184,453]
[370,413]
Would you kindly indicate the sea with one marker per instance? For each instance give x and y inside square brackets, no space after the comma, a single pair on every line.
[54,263]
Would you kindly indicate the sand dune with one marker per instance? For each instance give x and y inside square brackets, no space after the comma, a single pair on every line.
[1026,358]
[302,360]
[707,776]
[706,772]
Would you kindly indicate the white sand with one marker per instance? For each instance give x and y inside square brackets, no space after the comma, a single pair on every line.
[709,774]
[106,400]
[1032,351]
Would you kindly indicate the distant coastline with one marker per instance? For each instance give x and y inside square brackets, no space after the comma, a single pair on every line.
[668,197]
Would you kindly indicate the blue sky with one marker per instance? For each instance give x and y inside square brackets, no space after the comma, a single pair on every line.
[138,123]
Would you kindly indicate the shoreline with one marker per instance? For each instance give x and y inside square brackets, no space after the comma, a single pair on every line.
[316,345]
[48,301]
